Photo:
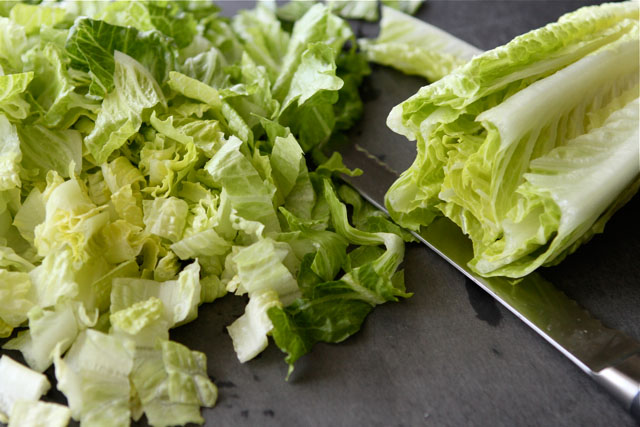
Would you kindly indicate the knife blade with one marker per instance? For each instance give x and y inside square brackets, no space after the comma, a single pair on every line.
[609,356]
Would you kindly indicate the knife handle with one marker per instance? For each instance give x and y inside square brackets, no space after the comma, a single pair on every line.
[622,380]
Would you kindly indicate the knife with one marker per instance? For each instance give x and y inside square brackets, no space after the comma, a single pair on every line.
[609,356]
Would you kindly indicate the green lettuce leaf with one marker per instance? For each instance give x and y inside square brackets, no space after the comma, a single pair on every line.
[134,91]
[94,375]
[202,244]
[307,86]
[12,102]
[261,266]
[195,89]
[363,9]
[15,291]
[91,45]
[188,382]
[166,17]
[331,311]
[207,66]
[14,262]
[50,329]
[263,38]
[18,383]
[294,9]
[141,322]
[29,413]
[31,213]
[406,6]
[247,192]
[165,217]
[10,156]
[149,379]
[32,17]
[416,47]
[554,193]
[53,89]
[329,249]
[62,149]
[180,298]
[71,220]
[13,43]
[249,331]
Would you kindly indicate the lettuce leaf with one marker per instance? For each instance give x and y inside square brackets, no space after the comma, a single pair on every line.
[52,89]
[12,101]
[71,220]
[141,322]
[29,413]
[94,375]
[32,17]
[134,91]
[13,43]
[406,6]
[180,298]
[10,156]
[263,37]
[365,9]
[416,47]
[18,383]
[91,45]
[331,311]
[247,192]
[15,290]
[63,148]
[249,331]
[50,329]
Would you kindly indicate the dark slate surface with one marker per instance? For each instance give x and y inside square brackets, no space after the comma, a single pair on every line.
[450,355]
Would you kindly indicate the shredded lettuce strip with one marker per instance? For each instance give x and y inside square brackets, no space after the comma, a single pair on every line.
[530,147]
[153,159]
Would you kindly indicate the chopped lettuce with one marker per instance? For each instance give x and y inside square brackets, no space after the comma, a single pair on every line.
[188,382]
[406,6]
[18,383]
[171,384]
[50,329]
[153,160]
[368,9]
[91,45]
[94,376]
[28,413]
[135,90]
[363,9]
[32,18]
[10,156]
[530,147]
[249,331]
[331,311]
[15,287]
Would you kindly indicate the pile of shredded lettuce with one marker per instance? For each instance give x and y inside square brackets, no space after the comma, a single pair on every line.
[530,147]
[152,159]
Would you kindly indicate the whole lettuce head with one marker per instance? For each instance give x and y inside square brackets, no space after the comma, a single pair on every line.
[529,147]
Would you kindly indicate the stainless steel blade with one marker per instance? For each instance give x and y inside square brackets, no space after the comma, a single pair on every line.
[608,355]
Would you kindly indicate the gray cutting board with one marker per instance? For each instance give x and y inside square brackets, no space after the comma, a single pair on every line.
[448,356]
